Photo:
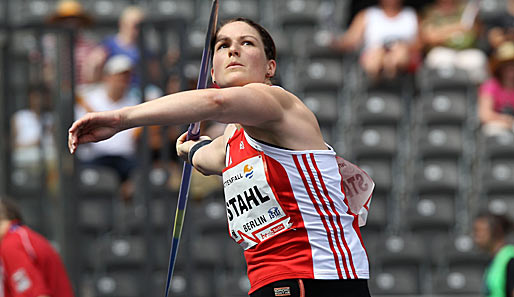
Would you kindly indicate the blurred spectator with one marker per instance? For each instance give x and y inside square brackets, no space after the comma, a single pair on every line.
[496,96]
[32,130]
[501,27]
[156,135]
[124,42]
[70,14]
[449,31]
[388,34]
[119,152]
[29,265]
[489,233]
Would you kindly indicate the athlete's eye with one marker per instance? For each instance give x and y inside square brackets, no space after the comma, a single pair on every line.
[222,45]
[247,42]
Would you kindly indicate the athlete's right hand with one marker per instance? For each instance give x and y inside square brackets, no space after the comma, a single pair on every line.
[94,127]
[183,145]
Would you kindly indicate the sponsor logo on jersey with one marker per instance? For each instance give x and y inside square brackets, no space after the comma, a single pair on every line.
[274,212]
[248,171]
[282,291]
[232,179]
[21,281]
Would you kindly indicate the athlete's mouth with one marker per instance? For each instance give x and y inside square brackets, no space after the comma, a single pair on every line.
[234,64]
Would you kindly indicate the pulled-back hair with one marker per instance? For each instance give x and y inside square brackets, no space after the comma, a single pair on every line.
[499,225]
[267,40]
[10,211]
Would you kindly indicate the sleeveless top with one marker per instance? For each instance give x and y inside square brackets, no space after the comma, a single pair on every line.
[381,29]
[288,211]
[496,274]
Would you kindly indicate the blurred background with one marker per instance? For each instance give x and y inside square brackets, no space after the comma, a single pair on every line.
[427,112]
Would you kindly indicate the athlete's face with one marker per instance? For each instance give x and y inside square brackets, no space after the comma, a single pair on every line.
[239,57]
[482,233]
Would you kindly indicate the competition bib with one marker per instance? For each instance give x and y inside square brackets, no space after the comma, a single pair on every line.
[253,212]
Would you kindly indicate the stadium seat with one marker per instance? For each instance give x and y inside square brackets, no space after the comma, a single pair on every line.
[234,256]
[321,74]
[379,107]
[181,9]
[443,79]
[107,10]
[375,141]
[460,250]
[207,250]
[119,284]
[323,104]
[464,281]
[195,44]
[97,181]
[402,249]
[498,176]
[440,141]
[29,12]
[234,285]
[161,249]
[490,9]
[205,282]
[240,8]
[122,251]
[501,204]
[179,285]
[437,176]
[499,146]
[210,216]
[316,45]
[394,282]
[432,212]
[380,171]
[95,215]
[26,183]
[299,14]
[442,107]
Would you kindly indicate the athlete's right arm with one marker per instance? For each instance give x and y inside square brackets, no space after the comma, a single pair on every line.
[209,159]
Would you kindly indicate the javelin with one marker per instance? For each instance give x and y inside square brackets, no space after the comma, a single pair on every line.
[193,133]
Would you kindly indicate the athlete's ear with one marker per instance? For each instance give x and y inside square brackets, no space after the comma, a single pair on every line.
[271,67]
[212,76]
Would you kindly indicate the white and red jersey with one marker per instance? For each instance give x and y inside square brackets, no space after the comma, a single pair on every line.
[288,210]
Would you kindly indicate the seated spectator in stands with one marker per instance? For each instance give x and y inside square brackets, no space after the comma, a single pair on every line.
[450,39]
[496,96]
[70,14]
[29,265]
[32,129]
[119,152]
[388,35]
[501,27]
[125,42]
[489,233]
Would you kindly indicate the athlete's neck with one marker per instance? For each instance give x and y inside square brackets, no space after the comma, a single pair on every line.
[4,227]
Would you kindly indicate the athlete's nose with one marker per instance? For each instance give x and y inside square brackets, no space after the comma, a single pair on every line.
[234,50]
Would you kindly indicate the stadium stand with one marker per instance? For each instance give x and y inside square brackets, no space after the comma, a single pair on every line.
[416,136]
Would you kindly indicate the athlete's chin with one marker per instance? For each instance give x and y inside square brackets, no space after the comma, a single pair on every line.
[236,82]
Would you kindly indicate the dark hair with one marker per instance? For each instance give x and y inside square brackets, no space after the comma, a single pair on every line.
[10,211]
[267,40]
[499,225]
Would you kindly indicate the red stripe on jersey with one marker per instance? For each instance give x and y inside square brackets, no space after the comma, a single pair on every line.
[338,217]
[316,206]
[329,214]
